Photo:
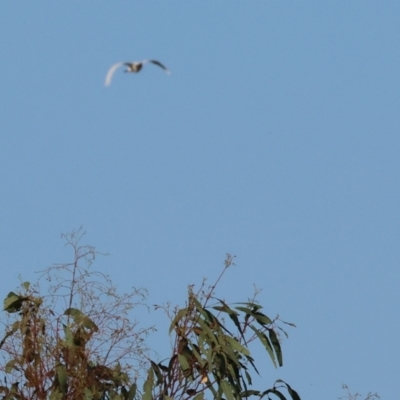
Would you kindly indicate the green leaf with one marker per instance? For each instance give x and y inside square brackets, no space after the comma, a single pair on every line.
[251,361]
[237,346]
[261,318]
[156,369]
[132,392]
[248,376]
[232,314]
[209,334]
[183,363]
[276,345]
[220,364]
[209,355]
[251,305]
[26,285]
[181,313]
[171,364]
[265,341]
[227,389]
[293,394]
[208,316]
[73,312]
[277,393]
[248,393]
[148,386]
[62,378]
[288,323]
[163,367]
[13,302]
[196,352]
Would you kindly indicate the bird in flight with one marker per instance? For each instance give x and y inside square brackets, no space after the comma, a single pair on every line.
[135,66]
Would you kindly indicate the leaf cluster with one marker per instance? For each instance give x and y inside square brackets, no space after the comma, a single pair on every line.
[212,356]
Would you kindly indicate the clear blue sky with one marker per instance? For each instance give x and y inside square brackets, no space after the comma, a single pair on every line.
[276,139]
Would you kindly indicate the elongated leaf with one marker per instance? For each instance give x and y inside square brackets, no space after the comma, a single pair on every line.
[261,318]
[265,341]
[282,330]
[237,346]
[276,345]
[62,378]
[196,352]
[288,323]
[74,313]
[171,364]
[293,394]
[276,392]
[163,367]
[181,313]
[148,386]
[228,390]
[232,314]
[208,316]
[209,354]
[248,376]
[251,361]
[183,363]
[253,306]
[247,393]
[208,332]
[231,355]
[220,364]
[156,369]
[132,392]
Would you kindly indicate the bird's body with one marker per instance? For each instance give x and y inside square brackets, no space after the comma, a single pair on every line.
[134,66]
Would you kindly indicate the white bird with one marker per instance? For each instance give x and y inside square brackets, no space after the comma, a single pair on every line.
[135,66]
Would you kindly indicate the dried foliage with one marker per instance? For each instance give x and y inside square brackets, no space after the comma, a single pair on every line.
[76,342]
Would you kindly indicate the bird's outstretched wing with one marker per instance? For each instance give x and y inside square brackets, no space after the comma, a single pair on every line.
[160,65]
[111,71]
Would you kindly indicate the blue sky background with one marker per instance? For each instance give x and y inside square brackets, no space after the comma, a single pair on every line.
[276,139]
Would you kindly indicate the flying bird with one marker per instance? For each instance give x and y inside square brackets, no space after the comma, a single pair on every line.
[135,66]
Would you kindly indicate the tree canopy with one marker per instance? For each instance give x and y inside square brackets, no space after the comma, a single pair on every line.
[78,341]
